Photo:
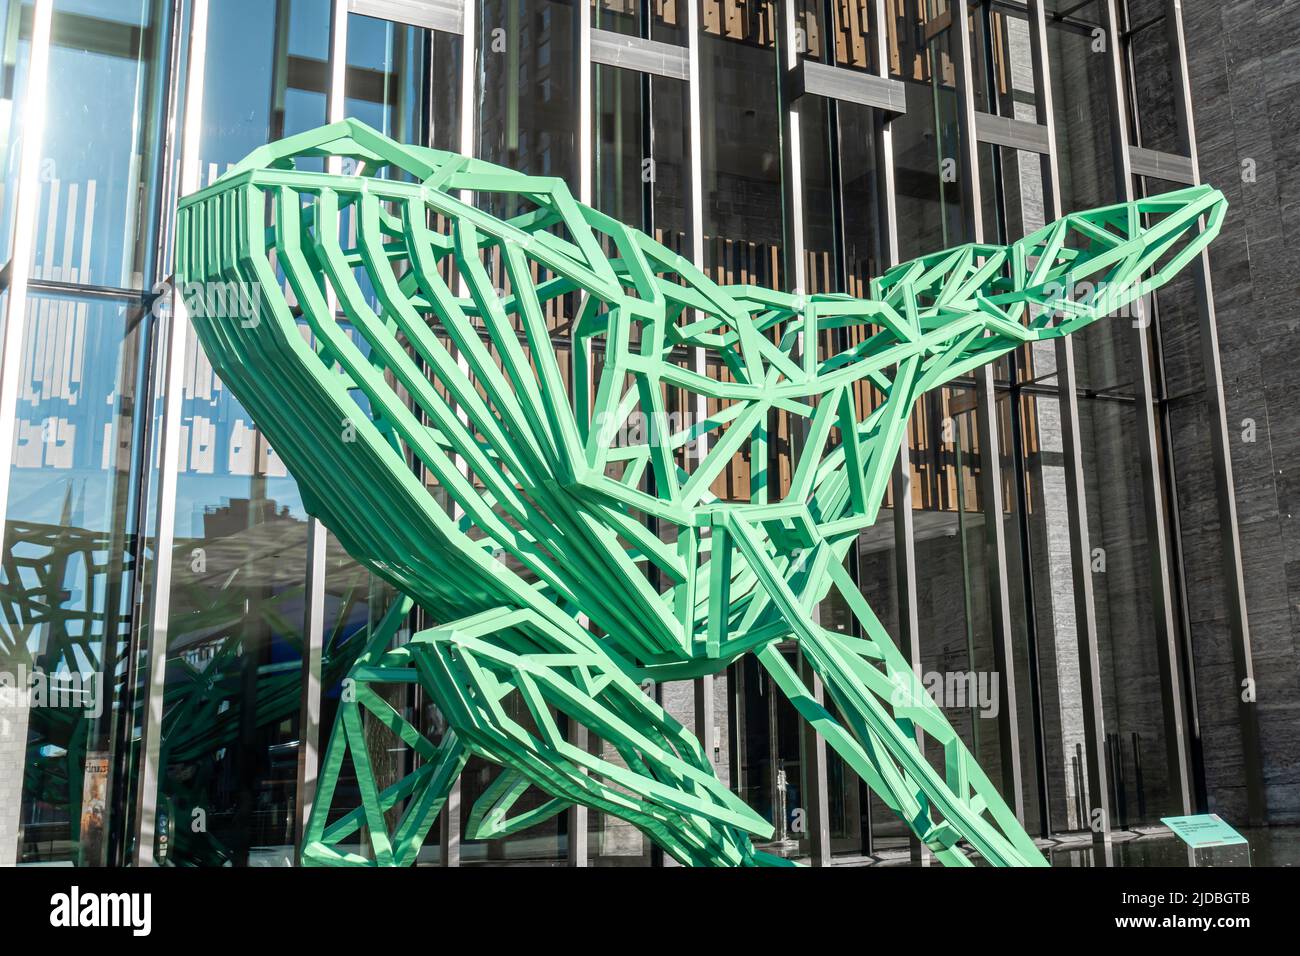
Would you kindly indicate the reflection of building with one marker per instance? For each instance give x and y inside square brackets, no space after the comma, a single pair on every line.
[1067,510]
[57,627]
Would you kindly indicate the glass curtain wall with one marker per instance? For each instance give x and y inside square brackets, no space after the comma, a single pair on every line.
[956,572]
[72,546]
[1142,784]
[745,237]
[527,93]
[404,81]
[842,251]
[1035,520]
[1186,421]
[234,658]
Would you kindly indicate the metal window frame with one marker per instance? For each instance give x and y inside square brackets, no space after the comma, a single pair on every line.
[1221,454]
[1040,137]
[22,247]
[309,714]
[578,815]
[705,718]
[850,86]
[1155,164]
[909,616]
[443,16]
[1012,133]
[172,373]
[1157,540]
[22,244]
[449,820]
[813,759]
[1075,485]
[986,418]
[641,54]
[888,98]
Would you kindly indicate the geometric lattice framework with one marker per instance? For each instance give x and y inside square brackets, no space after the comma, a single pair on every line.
[574,546]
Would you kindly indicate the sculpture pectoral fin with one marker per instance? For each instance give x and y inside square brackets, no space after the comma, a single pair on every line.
[881,705]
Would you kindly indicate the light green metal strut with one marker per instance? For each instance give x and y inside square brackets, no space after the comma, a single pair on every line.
[577,546]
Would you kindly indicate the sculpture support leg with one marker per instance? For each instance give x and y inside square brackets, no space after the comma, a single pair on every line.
[425,789]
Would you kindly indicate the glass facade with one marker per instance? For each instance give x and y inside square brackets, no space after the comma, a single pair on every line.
[1028,549]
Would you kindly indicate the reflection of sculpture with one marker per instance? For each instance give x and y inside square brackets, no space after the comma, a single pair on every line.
[60,601]
[586,551]
[61,614]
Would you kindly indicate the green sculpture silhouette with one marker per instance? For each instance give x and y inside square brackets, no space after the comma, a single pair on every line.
[578,548]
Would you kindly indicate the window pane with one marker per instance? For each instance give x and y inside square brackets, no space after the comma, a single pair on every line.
[16,53]
[1103,351]
[97,216]
[239,564]
[743,229]
[265,77]
[926,142]
[69,562]
[528,87]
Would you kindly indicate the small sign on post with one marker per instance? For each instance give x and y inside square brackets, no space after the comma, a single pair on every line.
[1203,833]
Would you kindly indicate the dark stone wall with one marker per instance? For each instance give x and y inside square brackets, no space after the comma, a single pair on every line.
[1244,65]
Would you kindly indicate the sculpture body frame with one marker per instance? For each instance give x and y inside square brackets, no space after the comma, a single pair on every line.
[579,546]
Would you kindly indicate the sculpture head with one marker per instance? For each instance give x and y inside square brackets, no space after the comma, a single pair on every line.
[397,320]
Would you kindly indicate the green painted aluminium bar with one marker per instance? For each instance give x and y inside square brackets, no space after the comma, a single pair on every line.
[577,544]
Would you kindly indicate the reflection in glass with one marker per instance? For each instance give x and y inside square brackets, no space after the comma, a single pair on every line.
[13,94]
[1147,55]
[266,77]
[527,120]
[96,222]
[239,564]
[641,177]
[1141,782]
[743,229]
[861,198]
[1103,351]
[387,85]
[68,570]
[926,143]
[769,774]
[528,84]
[641,169]
[666,19]
[953,580]
[1003,71]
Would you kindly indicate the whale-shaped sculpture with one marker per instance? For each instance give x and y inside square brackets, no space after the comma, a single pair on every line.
[397,344]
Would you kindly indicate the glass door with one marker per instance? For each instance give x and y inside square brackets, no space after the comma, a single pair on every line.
[769,772]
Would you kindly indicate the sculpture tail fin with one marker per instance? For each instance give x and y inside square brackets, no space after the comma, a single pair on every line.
[1054,282]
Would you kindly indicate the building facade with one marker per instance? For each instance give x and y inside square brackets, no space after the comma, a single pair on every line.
[1086,546]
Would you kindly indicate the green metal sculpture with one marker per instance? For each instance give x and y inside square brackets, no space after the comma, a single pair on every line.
[581,549]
